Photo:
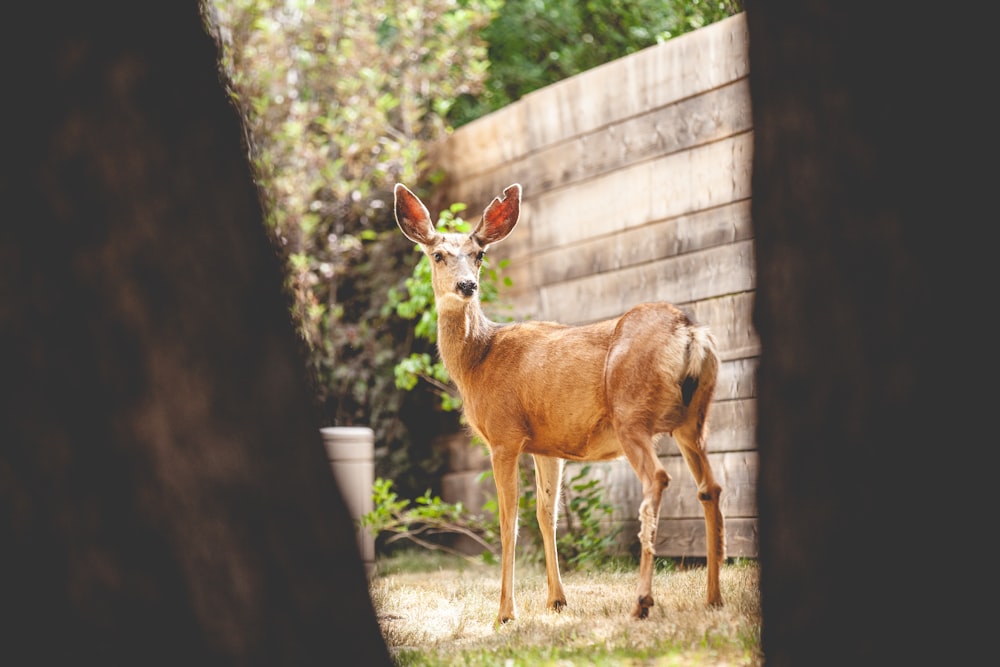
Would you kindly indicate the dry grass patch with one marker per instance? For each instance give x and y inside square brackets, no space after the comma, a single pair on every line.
[444,616]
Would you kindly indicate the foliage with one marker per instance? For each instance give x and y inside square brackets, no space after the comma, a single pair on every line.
[418,304]
[534,43]
[585,541]
[426,520]
[340,101]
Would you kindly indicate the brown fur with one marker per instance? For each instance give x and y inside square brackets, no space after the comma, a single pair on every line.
[593,392]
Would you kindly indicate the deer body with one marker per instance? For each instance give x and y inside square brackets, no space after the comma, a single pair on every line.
[558,392]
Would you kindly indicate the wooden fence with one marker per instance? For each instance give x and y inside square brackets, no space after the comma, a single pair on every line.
[636,187]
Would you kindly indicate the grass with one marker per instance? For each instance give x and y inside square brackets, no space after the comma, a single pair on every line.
[439,611]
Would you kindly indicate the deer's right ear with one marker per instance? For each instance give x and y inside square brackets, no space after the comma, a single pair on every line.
[412,216]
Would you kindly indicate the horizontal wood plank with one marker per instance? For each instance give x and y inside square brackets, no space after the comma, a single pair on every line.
[730,319]
[658,240]
[737,379]
[732,426]
[666,187]
[661,189]
[680,280]
[735,471]
[690,122]
[685,538]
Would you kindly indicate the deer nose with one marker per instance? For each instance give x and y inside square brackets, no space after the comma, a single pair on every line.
[467,287]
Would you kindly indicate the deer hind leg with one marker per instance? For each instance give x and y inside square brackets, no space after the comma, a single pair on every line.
[691,442]
[641,454]
[548,480]
[505,474]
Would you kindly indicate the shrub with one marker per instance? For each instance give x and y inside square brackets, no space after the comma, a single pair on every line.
[340,101]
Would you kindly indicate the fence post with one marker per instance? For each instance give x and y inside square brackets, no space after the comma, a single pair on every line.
[351,450]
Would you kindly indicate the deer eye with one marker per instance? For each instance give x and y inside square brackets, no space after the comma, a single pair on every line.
[438,257]
[479,256]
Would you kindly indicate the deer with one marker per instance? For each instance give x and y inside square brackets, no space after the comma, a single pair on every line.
[585,392]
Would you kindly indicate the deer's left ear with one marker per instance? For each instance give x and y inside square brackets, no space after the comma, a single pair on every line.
[412,216]
[499,217]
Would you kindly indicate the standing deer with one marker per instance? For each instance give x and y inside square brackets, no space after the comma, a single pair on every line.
[593,392]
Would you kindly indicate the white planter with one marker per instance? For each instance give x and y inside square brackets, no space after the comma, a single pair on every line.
[351,450]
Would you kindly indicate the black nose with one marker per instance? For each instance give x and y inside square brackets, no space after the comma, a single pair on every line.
[467,287]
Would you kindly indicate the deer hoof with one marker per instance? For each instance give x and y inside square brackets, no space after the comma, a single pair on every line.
[558,605]
[642,606]
[501,620]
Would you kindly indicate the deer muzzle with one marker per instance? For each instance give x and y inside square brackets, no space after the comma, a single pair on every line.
[466,287]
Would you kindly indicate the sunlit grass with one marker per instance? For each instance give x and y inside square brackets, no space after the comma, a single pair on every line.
[443,614]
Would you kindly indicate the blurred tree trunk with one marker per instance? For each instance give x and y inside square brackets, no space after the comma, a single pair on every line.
[870,384]
[165,498]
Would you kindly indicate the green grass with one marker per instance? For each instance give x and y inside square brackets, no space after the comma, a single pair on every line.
[435,610]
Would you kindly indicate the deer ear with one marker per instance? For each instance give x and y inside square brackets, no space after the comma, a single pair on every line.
[412,216]
[499,217]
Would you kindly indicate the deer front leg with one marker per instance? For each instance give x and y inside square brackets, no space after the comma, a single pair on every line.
[641,453]
[548,480]
[505,476]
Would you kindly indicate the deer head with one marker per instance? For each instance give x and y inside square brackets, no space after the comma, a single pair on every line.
[456,258]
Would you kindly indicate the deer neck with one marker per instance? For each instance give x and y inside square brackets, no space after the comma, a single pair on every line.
[464,335]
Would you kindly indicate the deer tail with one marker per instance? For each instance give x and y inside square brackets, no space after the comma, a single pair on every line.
[701,364]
